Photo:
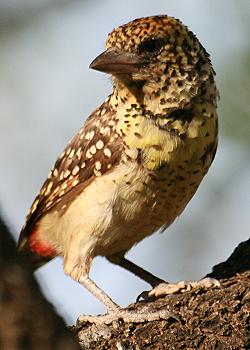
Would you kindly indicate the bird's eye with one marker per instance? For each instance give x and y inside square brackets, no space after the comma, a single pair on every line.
[150,45]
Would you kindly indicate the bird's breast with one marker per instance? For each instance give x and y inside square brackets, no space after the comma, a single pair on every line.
[168,170]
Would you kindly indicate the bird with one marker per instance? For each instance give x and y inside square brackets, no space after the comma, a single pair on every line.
[138,159]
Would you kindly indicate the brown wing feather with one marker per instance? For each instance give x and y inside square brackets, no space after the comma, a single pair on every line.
[94,150]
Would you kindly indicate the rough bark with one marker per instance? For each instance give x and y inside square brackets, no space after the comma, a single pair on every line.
[27,320]
[209,319]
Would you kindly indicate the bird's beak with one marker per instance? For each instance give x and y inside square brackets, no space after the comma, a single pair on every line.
[114,61]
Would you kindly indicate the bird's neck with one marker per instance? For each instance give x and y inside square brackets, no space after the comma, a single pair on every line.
[159,100]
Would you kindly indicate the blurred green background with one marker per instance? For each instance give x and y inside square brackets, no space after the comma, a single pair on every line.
[47,91]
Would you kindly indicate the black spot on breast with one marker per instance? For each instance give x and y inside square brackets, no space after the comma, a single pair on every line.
[138,135]
[185,115]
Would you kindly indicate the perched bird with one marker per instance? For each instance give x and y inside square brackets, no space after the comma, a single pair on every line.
[137,160]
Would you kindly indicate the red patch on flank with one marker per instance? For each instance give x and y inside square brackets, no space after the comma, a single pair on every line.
[38,247]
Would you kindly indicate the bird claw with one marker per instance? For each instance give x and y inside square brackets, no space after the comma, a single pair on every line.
[129,316]
[165,288]
[143,296]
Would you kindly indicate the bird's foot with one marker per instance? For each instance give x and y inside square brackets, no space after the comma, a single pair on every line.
[165,288]
[128,316]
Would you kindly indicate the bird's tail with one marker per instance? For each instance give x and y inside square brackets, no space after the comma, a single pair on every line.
[34,260]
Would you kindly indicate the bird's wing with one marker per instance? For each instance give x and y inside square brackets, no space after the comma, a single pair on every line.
[94,150]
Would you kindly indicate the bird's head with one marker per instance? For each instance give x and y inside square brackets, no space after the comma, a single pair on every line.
[157,57]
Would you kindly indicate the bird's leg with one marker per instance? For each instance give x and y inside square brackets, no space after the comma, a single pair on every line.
[142,314]
[160,287]
[138,271]
[98,293]
[115,312]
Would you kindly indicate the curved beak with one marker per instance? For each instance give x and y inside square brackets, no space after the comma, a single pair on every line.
[114,61]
